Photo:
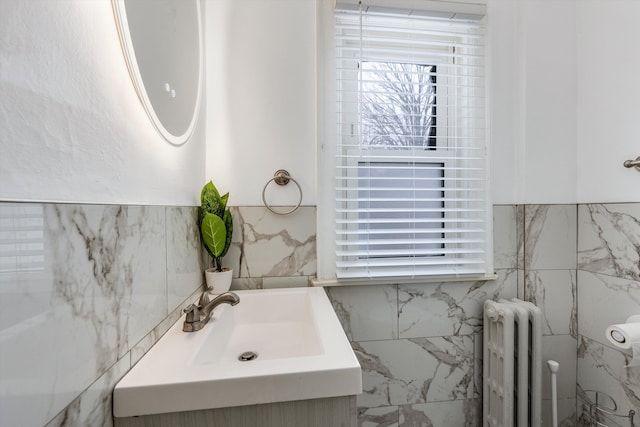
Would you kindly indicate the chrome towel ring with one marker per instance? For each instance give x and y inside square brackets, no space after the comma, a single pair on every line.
[281,177]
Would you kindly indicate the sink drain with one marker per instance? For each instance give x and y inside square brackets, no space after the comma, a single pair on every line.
[248,356]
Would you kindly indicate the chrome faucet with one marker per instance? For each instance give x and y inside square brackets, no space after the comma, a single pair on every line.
[199,314]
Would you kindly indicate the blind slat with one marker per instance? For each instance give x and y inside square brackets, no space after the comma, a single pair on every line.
[368,232]
[412,221]
[411,262]
[417,242]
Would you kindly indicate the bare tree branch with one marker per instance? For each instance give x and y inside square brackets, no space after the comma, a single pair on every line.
[398,105]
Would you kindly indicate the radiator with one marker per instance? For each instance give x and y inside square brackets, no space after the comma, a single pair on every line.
[512,364]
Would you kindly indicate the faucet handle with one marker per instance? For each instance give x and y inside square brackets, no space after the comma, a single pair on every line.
[193,313]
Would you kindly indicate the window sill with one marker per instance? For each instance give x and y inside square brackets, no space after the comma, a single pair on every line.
[401,280]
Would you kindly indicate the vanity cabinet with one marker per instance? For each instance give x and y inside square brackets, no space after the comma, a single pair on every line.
[326,412]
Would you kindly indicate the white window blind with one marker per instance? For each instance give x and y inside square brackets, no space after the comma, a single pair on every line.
[411,186]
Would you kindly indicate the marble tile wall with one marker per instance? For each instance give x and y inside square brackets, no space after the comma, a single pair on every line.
[608,292]
[85,290]
[96,286]
[549,262]
[272,251]
[581,266]
[420,345]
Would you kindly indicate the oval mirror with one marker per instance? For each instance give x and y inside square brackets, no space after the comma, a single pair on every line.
[162,45]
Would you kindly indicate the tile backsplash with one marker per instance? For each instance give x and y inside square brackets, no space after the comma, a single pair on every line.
[83,287]
[578,263]
[608,293]
[88,289]
[270,250]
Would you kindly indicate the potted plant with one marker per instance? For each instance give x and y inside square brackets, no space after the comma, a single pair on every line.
[216,228]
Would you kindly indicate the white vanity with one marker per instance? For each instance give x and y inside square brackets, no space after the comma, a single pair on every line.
[278,358]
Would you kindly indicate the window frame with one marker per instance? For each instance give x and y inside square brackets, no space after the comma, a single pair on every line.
[327,252]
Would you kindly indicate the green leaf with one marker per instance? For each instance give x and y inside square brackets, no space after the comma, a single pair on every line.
[228,222]
[224,199]
[210,200]
[208,189]
[214,234]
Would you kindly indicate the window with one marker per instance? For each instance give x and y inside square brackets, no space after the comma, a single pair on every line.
[411,195]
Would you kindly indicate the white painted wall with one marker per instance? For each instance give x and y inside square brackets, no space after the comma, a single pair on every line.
[506,95]
[550,93]
[532,65]
[261,62]
[565,100]
[608,100]
[71,126]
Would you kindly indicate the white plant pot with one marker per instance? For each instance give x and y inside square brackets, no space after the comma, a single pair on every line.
[218,282]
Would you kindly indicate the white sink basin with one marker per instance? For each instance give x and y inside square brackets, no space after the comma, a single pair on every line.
[302,351]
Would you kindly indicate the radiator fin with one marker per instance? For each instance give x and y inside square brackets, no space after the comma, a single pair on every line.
[512,366]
